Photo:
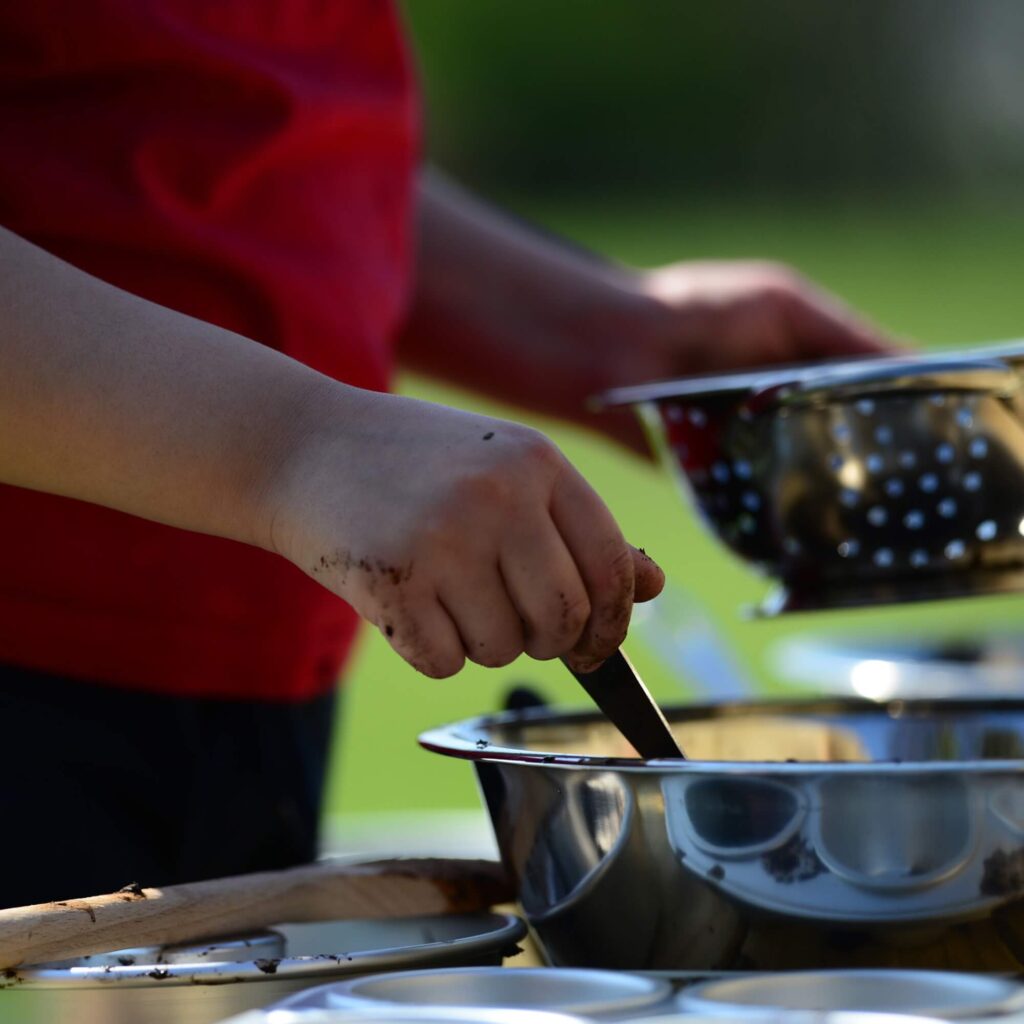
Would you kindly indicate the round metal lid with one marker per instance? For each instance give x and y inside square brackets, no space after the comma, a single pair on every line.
[781,1016]
[566,990]
[942,994]
[383,1014]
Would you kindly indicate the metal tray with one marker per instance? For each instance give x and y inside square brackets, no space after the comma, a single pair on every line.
[203,984]
[944,994]
[577,991]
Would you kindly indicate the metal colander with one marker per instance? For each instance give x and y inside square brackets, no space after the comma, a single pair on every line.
[888,480]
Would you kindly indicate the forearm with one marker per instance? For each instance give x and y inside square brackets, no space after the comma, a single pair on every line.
[117,401]
[456,534]
[506,311]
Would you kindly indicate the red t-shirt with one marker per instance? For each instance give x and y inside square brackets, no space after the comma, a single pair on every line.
[248,162]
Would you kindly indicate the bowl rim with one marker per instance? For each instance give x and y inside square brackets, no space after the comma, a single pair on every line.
[469,739]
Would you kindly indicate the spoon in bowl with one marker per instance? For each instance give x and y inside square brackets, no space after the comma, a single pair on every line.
[626,702]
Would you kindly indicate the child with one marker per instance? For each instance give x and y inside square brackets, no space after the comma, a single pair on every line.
[194,520]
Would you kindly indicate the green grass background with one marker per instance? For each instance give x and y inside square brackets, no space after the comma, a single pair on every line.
[936,273]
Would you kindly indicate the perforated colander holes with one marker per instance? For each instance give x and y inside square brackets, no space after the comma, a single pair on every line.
[849,548]
[965,418]
[841,433]
[883,558]
[878,515]
[955,550]
[914,519]
[987,530]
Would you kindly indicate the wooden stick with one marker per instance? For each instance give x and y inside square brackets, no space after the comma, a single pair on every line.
[226,906]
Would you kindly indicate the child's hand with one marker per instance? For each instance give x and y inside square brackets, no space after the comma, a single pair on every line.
[735,314]
[457,535]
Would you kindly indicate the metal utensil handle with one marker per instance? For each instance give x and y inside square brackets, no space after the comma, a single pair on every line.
[620,693]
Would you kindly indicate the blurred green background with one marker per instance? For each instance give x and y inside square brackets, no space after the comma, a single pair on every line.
[873,146]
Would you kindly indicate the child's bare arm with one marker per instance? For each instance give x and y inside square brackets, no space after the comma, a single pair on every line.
[457,535]
[514,313]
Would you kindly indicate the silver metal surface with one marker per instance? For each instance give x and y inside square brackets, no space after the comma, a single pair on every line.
[944,994]
[983,666]
[402,1015]
[858,483]
[799,834]
[223,952]
[587,992]
[748,1015]
[194,988]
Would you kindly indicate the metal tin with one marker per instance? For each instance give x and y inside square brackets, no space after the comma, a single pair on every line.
[799,834]
[587,992]
[201,984]
[942,994]
[746,1016]
[400,1015]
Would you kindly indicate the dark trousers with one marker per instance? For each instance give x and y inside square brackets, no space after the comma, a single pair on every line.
[101,787]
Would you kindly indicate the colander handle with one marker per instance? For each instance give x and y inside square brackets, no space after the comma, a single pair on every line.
[890,376]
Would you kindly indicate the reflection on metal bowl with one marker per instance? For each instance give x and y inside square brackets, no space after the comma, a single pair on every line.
[798,834]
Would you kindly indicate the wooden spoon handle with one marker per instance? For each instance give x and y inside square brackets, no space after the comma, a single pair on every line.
[225,906]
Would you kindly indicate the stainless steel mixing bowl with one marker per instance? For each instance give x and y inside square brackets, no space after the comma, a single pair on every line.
[810,834]
[857,483]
